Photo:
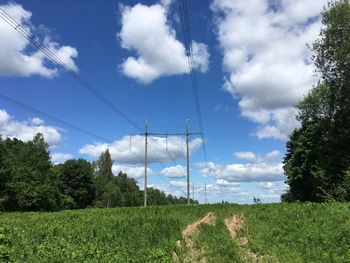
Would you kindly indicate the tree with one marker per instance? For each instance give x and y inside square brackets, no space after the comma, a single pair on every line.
[130,192]
[107,192]
[29,183]
[156,197]
[76,177]
[317,163]
[3,173]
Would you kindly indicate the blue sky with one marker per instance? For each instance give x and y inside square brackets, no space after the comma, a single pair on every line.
[252,66]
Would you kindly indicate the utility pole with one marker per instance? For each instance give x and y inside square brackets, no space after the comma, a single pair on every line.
[193,193]
[205,194]
[188,160]
[146,134]
[145,189]
[188,165]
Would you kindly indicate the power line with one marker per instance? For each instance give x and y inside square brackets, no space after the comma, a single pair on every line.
[21,30]
[189,51]
[48,116]
[135,154]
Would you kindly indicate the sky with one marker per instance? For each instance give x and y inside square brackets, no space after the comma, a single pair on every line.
[252,65]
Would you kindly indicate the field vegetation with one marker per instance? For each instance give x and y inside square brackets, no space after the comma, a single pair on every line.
[316,165]
[274,233]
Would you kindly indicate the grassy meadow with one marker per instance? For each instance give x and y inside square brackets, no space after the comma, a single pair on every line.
[273,233]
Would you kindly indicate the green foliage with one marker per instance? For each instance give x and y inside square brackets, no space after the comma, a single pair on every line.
[300,232]
[27,182]
[217,244]
[107,192]
[130,194]
[97,235]
[4,245]
[104,166]
[76,182]
[318,153]
[281,232]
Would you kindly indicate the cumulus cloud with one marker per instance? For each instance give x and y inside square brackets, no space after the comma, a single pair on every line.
[146,30]
[130,149]
[247,156]
[223,190]
[37,121]
[267,61]
[177,171]
[166,3]
[16,58]
[263,169]
[252,172]
[271,156]
[272,189]
[57,158]
[178,184]
[225,183]
[24,130]
[135,172]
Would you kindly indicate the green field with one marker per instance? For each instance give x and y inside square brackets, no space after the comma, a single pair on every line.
[275,233]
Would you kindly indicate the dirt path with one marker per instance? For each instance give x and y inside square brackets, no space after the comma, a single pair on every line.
[234,225]
[192,254]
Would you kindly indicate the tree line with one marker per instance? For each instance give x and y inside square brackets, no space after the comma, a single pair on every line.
[317,163]
[29,181]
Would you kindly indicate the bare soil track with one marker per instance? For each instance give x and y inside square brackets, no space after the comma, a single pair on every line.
[193,254]
[234,225]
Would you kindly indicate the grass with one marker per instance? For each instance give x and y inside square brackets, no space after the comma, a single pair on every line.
[217,244]
[301,232]
[282,232]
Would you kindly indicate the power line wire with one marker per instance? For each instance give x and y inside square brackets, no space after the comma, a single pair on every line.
[189,51]
[21,30]
[51,117]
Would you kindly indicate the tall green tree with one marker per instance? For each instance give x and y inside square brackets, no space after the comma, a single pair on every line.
[104,166]
[130,194]
[107,191]
[317,163]
[76,178]
[29,183]
[3,173]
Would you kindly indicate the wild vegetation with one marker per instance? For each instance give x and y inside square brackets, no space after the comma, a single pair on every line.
[273,233]
[317,166]
[317,163]
[30,182]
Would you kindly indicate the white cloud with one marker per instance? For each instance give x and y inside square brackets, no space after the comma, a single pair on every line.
[177,171]
[266,58]
[37,121]
[247,156]
[10,128]
[57,158]
[178,184]
[225,183]
[4,117]
[252,157]
[16,59]
[223,189]
[130,149]
[135,172]
[200,56]
[272,189]
[271,156]
[146,30]
[166,3]
[251,172]
[261,169]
